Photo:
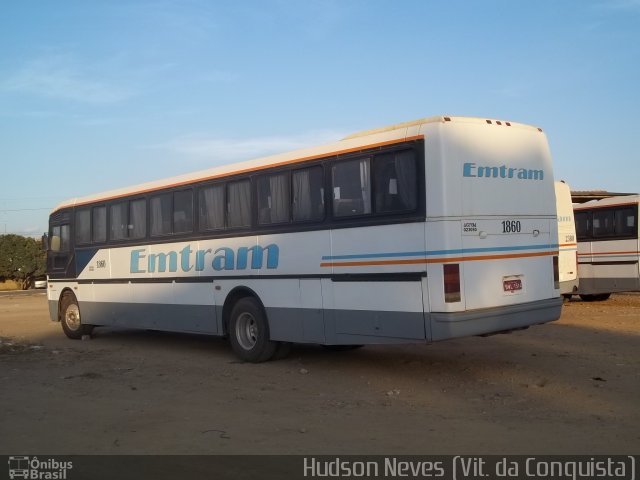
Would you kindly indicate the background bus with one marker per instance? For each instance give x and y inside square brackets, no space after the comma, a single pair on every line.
[567,243]
[423,231]
[608,249]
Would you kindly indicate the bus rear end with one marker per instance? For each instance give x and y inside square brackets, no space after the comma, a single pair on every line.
[491,228]
[567,243]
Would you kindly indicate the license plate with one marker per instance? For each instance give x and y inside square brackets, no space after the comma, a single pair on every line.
[511,286]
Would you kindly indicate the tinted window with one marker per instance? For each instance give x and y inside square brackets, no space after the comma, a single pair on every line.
[239,204]
[351,188]
[83,226]
[118,222]
[308,194]
[65,238]
[395,182]
[626,222]
[583,225]
[137,218]
[211,207]
[273,199]
[160,207]
[183,211]
[603,223]
[100,224]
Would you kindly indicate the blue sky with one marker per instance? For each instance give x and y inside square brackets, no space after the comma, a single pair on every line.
[103,94]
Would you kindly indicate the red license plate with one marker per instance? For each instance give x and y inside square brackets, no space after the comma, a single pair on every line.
[512,285]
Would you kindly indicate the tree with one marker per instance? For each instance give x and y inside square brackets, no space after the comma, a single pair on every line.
[21,259]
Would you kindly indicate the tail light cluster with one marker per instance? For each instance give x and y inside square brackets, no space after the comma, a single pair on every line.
[451,282]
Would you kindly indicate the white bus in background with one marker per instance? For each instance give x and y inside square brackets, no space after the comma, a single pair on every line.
[608,249]
[424,231]
[567,243]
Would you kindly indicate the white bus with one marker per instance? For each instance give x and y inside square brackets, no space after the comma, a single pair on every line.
[423,231]
[608,249]
[568,246]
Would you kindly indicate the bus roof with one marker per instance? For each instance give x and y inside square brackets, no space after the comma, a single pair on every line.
[609,202]
[378,137]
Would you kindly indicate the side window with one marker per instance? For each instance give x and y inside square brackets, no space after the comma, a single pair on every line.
[273,199]
[583,225]
[239,204]
[308,194]
[351,185]
[603,223]
[211,207]
[65,238]
[395,182]
[83,226]
[138,218]
[99,222]
[160,210]
[626,222]
[183,211]
[118,221]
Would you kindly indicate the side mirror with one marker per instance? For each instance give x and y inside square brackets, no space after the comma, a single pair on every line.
[55,243]
[45,242]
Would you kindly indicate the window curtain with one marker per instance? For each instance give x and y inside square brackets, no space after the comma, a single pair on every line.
[239,204]
[279,205]
[406,171]
[302,209]
[138,220]
[365,185]
[212,208]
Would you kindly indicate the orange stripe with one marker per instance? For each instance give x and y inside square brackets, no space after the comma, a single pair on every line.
[568,244]
[608,253]
[247,170]
[434,260]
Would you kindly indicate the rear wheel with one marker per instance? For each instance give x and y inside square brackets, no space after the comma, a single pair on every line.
[70,318]
[249,332]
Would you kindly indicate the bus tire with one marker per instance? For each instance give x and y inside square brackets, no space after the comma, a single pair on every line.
[70,318]
[249,332]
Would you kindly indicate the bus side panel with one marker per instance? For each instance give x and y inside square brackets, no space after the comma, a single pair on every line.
[369,294]
[609,271]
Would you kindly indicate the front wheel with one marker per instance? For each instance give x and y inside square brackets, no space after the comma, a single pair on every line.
[70,318]
[249,332]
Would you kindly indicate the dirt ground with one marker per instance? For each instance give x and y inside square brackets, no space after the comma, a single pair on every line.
[569,387]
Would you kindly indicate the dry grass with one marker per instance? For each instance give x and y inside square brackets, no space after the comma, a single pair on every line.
[9,285]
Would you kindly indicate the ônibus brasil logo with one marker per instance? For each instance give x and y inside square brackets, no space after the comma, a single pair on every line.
[35,469]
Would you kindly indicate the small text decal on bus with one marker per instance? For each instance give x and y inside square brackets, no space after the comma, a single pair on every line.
[470,169]
[187,259]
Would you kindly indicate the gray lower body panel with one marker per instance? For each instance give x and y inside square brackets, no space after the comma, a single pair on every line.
[53,310]
[594,286]
[333,327]
[152,316]
[490,320]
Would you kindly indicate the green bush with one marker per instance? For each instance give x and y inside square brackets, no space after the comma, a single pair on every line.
[21,259]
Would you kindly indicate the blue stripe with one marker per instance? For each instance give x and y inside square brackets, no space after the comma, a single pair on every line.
[440,252]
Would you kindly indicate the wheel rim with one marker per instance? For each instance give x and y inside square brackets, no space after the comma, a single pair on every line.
[72,317]
[246,331]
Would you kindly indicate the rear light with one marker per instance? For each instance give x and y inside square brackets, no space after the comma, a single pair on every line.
[556,272]
[451,282]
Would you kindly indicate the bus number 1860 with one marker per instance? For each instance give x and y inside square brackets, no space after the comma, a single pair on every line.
[511,226]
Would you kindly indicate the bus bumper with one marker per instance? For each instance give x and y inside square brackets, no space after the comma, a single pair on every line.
[493,320]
